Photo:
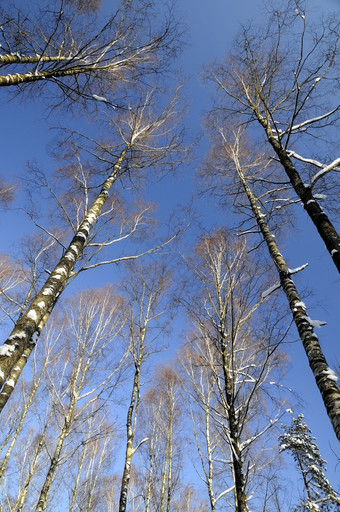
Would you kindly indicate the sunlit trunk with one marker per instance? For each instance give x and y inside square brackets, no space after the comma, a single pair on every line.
[317,361]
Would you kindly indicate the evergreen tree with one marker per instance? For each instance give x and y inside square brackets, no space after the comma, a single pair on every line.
[320,496]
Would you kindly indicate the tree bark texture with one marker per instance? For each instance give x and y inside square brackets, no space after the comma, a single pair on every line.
[319,218]
[317,361]
[24,336]
[130,429]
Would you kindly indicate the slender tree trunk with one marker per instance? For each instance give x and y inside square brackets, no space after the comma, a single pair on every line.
[41,445]
[76,483]
[211,494]
[170,462]
[42,501]
[25,410]
[23,494]
[317,361]
[151,470]
[130,430]
[164,479]
[236,456]
[19,345]
[228,368]
[20,78]
[319,218]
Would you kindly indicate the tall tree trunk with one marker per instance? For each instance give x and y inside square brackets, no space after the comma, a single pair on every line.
[42,501]
[236,456]
[164,479]
[319,218]
[170,462]
[130,432]
[317,361]
[20,78]
[24,336]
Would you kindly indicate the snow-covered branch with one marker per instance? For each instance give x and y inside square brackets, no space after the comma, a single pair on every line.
[314,119]
[270,290]
[298,269]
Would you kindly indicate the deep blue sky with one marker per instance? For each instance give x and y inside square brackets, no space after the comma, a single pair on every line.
[25,135]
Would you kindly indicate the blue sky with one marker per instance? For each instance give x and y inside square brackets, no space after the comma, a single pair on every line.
[26,135]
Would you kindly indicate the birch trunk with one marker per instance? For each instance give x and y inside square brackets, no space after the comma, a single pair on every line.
[210,473]
[41,446]
[23,494]
[21,78]
[317,361]
[150,476]
[170,462]
[164,479]
[145,290]
[320,219]
[24,336]
[236,455]
[42,501]
[130,430]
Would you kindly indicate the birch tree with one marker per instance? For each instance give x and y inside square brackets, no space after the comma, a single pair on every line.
[91,370]
[160,455]
[145,138]
[232,360]
[241,163]
[146,308]
[83,54]
[282,78]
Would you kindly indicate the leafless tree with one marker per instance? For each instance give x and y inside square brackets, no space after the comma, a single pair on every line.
[283,78]
[145,307]
[145,138]
[232,361]
[95,370]
[245,166]
[160,455]
[71,434]
[85,54]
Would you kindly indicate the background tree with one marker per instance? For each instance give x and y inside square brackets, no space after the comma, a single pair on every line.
[238,162]
[146,306]
[298,441]
[160,455]
[72,422]
[233,351]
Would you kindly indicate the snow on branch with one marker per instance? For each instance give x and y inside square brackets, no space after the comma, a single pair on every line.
[99,98]
[304,159]
[314,119]
[270,290]
[330,374]
[223,493]
[298,269]
[325,170]
[313,323]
